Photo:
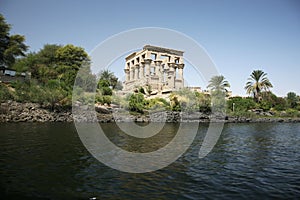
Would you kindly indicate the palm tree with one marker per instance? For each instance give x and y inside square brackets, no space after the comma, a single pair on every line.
[110,77]
[257,83]
[218,83]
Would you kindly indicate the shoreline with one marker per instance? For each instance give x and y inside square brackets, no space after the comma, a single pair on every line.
[13,112]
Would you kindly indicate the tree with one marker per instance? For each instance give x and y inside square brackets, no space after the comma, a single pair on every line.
[42,64]
[292,99]
[54,93]
[240,104]
[137,102]
[103,85]
[257,83]
[218,83]
[69,60]
[110,77]
[203,101]
[11,46]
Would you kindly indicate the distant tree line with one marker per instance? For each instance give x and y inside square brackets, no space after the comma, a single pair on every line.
[54,69]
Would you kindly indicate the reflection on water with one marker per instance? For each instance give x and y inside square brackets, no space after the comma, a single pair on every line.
[48,161]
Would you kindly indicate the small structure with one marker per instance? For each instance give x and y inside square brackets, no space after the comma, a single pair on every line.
[8,75]
[195,89]
[160,69]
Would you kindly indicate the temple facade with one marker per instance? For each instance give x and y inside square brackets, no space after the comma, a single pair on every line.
[155,67]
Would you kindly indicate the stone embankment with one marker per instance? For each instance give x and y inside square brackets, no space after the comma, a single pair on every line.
[12,111]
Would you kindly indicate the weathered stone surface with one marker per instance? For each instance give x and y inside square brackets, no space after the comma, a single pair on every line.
[12,111]
[155,67]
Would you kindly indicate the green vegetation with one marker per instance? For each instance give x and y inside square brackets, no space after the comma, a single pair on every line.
[219,87]
[12,46]
[218,83]
[257,83]
[54,69]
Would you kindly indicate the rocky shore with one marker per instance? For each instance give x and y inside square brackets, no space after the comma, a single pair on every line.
[12,111]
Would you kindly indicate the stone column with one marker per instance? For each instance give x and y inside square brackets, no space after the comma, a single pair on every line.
[158,74]
[141,72]
[136,71]
[147,66]
[162,71]
[172,59]
[157,67]
[180,74]
[131,73]
[180,60]
[166,73]
[180,71]
[127,76]
[172,75]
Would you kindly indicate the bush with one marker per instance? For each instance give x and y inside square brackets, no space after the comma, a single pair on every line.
[174,103]
[106,91]
[106,99]
[240,104]
[157,104]
[265,105]
[292,112]
[137,103]
[5,93]
[142,90]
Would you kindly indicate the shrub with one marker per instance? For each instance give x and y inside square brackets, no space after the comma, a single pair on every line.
[5,93]
[106,91]
[292,112]
[142,90]
[157,104]
[265,105]
[106,99]
[174,103]
[240,104]
[137,103]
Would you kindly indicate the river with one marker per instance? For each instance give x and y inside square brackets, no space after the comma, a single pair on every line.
[250,161]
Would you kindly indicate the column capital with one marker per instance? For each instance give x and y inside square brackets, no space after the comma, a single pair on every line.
[158,62]
[126,70]
[180,66]
[172,65]
[137,66]
[147,60]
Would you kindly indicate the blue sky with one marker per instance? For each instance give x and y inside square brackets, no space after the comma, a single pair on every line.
[239,35]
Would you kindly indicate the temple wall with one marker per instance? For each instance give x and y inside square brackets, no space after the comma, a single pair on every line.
[154,66]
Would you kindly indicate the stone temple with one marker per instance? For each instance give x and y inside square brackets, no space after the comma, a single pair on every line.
[157,67]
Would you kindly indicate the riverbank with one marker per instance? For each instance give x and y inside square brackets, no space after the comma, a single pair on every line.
[12,111]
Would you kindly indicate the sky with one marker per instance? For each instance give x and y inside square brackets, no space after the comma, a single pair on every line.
[240,36]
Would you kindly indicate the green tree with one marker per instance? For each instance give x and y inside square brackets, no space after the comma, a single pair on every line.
[257,83]
[104,87]
[218,83]
[11,46]
[239,106]
[110,77]
[54,93]
[42,64]
[203,102]
[69,60]
[292,99]
[137,102]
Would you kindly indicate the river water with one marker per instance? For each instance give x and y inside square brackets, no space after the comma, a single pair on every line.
[250,161]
